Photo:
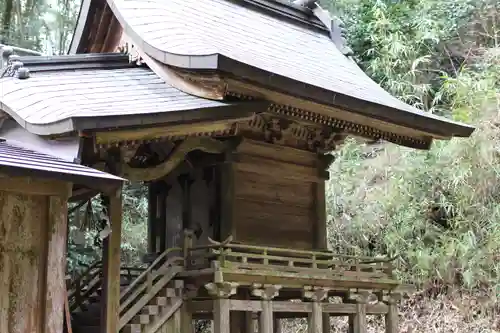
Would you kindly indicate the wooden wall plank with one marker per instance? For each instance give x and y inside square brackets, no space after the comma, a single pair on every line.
[273,211]
[26,185]
[272,189]
[55,265]
[200,199]
[320,231]
[174,215]
[277,152]
[227,228]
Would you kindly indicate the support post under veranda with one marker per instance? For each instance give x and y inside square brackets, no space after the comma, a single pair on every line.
[266,293]
[221,292]
[392,317]
[316,319]
[111,283]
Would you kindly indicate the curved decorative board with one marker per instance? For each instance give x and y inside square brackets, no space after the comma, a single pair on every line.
[254,44]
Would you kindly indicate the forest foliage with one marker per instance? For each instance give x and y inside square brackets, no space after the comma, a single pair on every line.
[437,211]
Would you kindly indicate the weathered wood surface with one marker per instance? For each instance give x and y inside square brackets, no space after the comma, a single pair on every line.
[28,186]
[200,215]
[56,265]
[23,219]
[32,260]
[174,216]
[283,307]
[274,201]
[112,285]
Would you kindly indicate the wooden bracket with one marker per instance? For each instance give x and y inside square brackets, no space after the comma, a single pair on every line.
[266,292]
[222,289]
[315,294]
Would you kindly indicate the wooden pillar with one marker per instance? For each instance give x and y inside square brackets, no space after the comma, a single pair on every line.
[32,254]
[209,177]
[56,265]
[242,321]
[162,217]
[326,323]
[315,324]
[392,317]
[112,283]
[350,318]
[186,319]
[217,210]
[359,324]
[152,209]
[186,181]
[227,174]
[221,313]
[266,293]
[104,289]
[277,325]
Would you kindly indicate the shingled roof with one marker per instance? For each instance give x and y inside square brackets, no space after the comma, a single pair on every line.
[92,91]
[269,43]
[16,160]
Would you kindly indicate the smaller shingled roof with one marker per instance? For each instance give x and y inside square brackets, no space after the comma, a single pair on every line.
[96,91]
[18,161]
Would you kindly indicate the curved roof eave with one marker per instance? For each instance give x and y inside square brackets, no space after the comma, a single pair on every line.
[211,58]
[88,97]
[73,124]
[60,127]
[439,126]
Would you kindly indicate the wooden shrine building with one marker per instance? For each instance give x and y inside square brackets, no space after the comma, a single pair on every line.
[228,110]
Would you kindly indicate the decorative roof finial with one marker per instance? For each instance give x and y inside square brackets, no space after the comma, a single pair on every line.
[336,27]
[14,67]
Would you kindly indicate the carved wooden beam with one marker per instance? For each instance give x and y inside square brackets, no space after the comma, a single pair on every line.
[283,131]
[355,124]
[177,156]
[138,136]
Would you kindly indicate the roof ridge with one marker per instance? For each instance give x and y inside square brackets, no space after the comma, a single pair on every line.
[287,10]
[73,62]
[74,58]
